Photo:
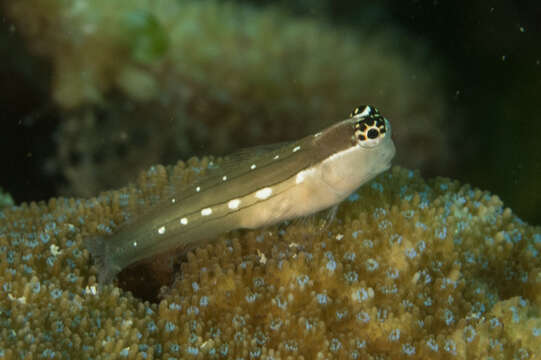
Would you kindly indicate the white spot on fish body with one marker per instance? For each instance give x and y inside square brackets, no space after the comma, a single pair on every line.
[161,230]
[276,157]
[198,189]
[296,148]
[184,221]
[224,178]
[135,243]
[233,204]
[252,167]
[302,175]
[263,193]
[206,211]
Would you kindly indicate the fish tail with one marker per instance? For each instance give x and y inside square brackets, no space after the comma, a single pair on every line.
[107,270]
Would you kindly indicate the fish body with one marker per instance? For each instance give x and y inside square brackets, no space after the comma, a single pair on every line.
[254,189]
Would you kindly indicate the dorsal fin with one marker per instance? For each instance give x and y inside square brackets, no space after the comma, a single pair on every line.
[230,166]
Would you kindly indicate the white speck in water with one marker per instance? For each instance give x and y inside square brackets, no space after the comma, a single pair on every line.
[198,189]
[206,211]
[184,221]
[161,230]
[263,193]
[224,178]
[233,204]
[135,243]
[276,157]
[522,29]
[252,167]
[173,200]
[296,148]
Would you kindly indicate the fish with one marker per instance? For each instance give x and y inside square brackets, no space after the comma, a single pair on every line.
[254,188]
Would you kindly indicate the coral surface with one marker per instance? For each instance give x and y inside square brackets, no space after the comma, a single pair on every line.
[408,269]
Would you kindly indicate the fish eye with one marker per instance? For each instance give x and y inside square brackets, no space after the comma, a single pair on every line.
[370,126]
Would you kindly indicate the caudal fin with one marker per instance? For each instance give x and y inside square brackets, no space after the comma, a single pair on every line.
[107,270]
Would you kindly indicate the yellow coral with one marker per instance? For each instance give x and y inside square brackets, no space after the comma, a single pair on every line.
[408,269]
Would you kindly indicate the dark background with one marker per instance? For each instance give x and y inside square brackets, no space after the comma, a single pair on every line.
[492,71]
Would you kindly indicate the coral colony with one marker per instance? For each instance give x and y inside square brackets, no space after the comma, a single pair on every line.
[408,269]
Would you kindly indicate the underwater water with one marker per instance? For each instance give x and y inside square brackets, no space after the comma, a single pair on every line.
[105,106]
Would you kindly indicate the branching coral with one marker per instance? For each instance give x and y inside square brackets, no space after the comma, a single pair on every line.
[409,269]
[218,76]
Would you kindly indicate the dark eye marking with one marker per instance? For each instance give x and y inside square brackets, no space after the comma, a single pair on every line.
[370,126]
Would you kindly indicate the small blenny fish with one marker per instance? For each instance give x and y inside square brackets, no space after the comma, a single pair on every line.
[261,187]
